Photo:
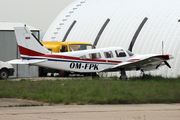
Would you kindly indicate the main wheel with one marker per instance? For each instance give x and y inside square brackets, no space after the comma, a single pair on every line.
[4,74]
[63,73]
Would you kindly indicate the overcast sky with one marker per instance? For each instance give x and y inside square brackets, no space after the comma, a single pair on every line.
[37,13]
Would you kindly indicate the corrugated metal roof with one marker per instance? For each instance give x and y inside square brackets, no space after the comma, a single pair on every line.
[8,25]
[125,18]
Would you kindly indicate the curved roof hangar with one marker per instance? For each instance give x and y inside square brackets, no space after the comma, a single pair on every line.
[118,22]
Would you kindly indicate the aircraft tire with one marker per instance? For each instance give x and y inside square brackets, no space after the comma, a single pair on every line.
[121,78]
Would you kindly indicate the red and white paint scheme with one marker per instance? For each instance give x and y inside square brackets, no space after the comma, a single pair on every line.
[85,61]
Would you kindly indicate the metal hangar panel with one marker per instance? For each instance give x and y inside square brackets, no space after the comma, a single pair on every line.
[118,22]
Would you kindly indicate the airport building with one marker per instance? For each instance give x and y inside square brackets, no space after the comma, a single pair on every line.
[107,23]
[9,49]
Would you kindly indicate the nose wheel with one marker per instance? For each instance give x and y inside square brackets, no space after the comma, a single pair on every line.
[142,73]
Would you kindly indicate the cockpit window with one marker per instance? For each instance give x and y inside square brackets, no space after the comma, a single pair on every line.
[120,53]
[129,53]
[108,54]
[95,55]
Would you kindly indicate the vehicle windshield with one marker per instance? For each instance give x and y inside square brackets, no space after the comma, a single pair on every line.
[129,53]
[76,47]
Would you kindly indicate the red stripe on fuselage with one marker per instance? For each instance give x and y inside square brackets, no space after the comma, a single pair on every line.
[28,52]
[77,58]
[132,60]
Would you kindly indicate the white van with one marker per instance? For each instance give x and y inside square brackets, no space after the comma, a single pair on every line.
[6,70]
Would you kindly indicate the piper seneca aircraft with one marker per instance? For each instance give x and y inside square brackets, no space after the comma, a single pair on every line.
[85,61]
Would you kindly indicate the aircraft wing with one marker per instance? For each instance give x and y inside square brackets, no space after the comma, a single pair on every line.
[26,62]
[140,62]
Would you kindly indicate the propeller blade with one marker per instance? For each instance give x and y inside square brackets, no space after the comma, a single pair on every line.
[167,64]
[158,66]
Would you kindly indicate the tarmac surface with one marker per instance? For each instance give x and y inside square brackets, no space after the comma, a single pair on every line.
[10,111]
[90,112]
[5,102]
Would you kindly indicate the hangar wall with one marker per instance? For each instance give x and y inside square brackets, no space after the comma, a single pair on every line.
[151,22]
[9,49]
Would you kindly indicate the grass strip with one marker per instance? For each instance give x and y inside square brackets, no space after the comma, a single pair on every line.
[96,91]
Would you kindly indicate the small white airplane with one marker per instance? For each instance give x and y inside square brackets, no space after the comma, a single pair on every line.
[85,61]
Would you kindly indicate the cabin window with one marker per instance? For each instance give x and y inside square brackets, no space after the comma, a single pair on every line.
[83,57]
[120,53]
[108,54]
[95,55]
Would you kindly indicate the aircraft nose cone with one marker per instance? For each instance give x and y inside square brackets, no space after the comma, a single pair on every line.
[171,57]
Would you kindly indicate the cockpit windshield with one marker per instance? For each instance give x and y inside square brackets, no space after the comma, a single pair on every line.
[129,53]
[76,47]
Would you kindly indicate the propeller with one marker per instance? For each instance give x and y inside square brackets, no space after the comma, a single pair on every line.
[163,54]
[158,66]
[166,63]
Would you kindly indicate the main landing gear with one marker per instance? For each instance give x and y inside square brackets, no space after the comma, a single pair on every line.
[123,75]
